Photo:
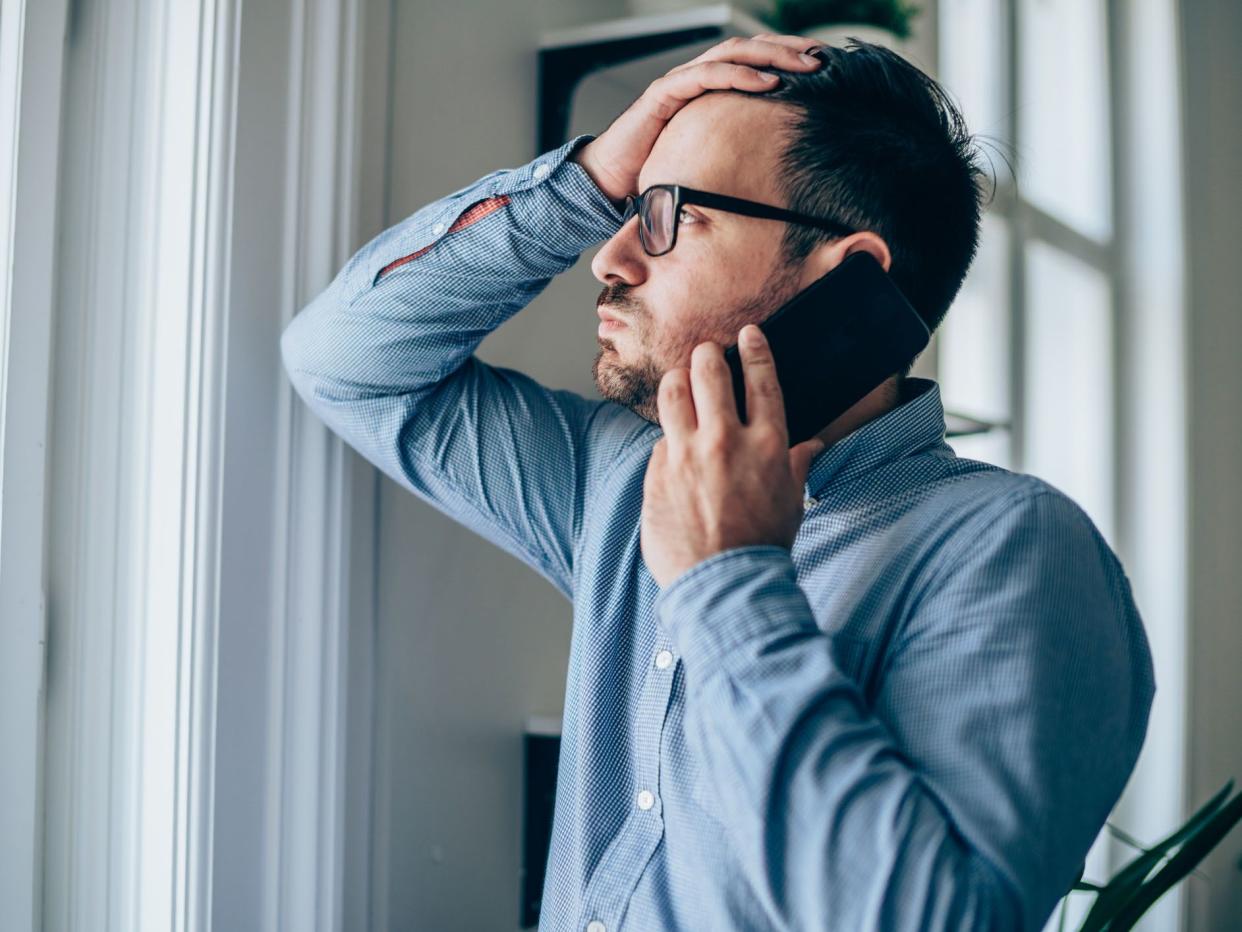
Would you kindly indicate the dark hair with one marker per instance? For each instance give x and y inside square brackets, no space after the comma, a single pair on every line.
[878,145]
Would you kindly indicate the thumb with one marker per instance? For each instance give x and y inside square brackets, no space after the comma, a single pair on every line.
[800,458]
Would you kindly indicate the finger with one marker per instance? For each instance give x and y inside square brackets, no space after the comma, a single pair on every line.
[659,450]
[759,53]
[711,382]
[667,95]
[675,404]
[655,466]
[800,458]
[731,47]
[764,402]
[801,43]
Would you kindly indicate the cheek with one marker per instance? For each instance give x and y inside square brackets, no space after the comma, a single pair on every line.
[669,338]
[705,309]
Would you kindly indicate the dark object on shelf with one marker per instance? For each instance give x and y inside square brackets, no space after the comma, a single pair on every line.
[541,750]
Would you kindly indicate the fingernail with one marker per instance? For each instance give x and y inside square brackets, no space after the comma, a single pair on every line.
[751,335]
[809,59]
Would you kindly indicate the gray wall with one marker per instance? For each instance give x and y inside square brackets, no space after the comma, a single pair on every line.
[469,642]
[1211,33]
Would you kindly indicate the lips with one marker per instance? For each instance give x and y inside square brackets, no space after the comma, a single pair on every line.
[607,315]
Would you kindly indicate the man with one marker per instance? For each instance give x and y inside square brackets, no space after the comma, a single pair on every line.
[857,684]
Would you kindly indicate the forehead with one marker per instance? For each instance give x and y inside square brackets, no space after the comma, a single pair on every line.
[723,142]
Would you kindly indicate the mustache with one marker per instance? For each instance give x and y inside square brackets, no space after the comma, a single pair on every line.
[618,298]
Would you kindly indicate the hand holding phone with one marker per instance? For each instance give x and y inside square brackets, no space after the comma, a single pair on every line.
[834,342]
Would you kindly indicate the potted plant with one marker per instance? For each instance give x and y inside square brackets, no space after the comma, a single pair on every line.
[880,22]
[1123,900]
[794,16]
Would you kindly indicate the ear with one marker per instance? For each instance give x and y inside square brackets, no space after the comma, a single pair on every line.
[866,241]
[827,256]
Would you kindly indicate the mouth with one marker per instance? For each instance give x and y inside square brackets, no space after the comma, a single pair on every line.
[609,323]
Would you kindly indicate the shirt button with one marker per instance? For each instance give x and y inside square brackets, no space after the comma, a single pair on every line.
[596,926]
[663,659]
[646,799]
[810,502]
[438,229]
[540,171]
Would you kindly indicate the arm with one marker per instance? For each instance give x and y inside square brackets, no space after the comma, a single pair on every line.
[385,357]
[1009,717]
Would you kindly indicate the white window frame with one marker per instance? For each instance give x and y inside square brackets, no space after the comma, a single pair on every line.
[31,64]
[205,634]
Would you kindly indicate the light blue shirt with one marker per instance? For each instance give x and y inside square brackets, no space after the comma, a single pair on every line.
[919,718]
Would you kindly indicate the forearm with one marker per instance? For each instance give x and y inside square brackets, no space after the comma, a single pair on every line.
[384,358]
[416,301]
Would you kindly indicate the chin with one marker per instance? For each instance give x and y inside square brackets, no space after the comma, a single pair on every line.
[633,387]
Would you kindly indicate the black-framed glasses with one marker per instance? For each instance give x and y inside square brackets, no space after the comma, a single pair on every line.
[659,213]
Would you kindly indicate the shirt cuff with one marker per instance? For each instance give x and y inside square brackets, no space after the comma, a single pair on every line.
[563,176]
[731,603]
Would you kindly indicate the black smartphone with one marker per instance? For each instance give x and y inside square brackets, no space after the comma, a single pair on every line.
[834,342]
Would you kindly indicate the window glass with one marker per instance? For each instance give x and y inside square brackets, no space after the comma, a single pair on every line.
[972,64]
[973,361]
[1068,405]
[1063,114]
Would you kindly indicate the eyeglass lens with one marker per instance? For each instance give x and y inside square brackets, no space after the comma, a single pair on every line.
[655,219]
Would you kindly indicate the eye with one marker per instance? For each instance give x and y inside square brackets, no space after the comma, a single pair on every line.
[686,215]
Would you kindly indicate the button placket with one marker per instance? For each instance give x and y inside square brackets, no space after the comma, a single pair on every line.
[627,855]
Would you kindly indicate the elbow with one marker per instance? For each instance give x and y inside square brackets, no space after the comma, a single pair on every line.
[293,356]
[307,340]
[290,347]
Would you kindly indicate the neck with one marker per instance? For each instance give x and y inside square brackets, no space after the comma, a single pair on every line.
[880,400]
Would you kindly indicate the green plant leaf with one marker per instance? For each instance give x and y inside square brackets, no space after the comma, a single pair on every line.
[1122,886]
[1191,853]
[795,16]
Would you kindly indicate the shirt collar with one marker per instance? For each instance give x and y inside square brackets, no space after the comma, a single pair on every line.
[915,425]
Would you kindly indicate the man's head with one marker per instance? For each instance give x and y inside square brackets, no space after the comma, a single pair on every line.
[867,140]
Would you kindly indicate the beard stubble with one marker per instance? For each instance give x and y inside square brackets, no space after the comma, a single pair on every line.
[636,385]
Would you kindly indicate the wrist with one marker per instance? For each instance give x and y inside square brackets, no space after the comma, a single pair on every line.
[584,156]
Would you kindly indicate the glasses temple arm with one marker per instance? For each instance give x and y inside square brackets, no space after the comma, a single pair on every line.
[755,209]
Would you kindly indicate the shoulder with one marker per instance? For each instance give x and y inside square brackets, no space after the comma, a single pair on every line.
[978,496]
[1019,532]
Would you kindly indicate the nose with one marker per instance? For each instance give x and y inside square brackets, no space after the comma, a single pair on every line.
[621,258]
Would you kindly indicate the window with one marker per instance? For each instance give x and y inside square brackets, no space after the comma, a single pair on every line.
[1068,328]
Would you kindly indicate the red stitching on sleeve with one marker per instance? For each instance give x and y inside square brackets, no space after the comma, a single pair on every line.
[473,214]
